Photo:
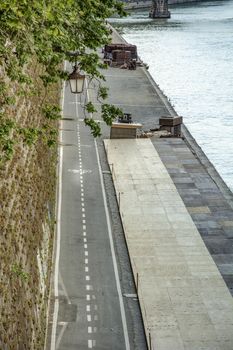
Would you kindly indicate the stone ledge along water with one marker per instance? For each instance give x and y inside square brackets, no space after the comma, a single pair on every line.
[205,197]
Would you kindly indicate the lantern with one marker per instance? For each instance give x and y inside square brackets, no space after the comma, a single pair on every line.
[76,80]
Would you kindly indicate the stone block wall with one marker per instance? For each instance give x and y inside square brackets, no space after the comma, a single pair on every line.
[27,200]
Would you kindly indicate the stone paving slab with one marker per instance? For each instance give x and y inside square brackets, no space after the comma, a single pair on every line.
[208,207]
[184,301]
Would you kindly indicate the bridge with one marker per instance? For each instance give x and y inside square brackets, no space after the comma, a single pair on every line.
[159,9]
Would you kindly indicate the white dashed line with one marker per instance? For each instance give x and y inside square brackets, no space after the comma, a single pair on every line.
[91,343]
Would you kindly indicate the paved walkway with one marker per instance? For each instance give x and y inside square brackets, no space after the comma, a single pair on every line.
[207,198]
[184,300]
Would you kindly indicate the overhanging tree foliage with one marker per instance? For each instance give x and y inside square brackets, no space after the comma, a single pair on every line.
[45,31]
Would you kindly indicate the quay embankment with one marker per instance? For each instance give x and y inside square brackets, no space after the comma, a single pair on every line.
[144,4]
[177,215]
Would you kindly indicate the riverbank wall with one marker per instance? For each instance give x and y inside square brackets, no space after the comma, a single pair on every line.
[141,4]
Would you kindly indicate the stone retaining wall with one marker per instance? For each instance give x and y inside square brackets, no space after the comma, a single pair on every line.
[27,196]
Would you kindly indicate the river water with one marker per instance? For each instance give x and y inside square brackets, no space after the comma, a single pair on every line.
[190,56]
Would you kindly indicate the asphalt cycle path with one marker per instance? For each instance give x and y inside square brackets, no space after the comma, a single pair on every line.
[89,309]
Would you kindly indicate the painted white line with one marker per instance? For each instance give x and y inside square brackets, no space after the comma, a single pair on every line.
[86,253]
[82,204]
[87,278]
[84,227]
[84,234]
[89,329]
[84,240]
[90,344]
[84,221]
[123,317]
[88,297]
[86,269]
[88,308]
[88,287]
[58,241]
[86,261]
[83,215]
[85,246]
[89,318]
